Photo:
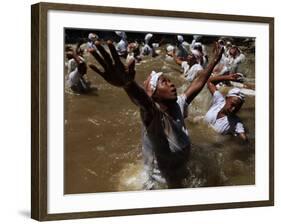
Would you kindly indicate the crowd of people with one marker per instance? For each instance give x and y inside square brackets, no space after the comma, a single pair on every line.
[165,140]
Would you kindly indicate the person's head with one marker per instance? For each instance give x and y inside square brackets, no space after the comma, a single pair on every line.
[69,55]
[160,88]
[170,50]
[233,101]
[93,37]
[198,46]
[234,51]
[194,57]
[221,42]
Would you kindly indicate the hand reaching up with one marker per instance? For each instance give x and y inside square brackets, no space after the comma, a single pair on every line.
[115,72]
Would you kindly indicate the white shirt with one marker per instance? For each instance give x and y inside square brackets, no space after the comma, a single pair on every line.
[72,71]
[190,73]
[224,125]
[121,46]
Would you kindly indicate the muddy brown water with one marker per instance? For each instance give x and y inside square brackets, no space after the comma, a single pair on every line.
[103,136]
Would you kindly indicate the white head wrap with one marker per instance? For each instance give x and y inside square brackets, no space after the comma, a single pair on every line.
[93,37]
[148,37]
[170,48]
[154,79]
[197,37]
[121,34]
[180,38]
[236,92]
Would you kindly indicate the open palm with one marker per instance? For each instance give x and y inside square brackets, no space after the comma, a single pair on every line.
[115,72]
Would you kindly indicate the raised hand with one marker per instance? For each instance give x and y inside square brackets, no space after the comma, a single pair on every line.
[115,72]
[218,51]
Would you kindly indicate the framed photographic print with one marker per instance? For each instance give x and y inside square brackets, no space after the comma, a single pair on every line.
[138,111]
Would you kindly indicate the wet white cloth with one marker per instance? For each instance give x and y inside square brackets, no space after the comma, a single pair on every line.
[236,92]
[154,79]
[224,125]
[190,73]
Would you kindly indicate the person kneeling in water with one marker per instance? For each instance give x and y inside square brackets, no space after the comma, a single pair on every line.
[165,140]
[222,114]
[76,69]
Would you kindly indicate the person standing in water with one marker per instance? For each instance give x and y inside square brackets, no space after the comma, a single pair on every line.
[222,114]
[165,140]
[76,69]
[121,46]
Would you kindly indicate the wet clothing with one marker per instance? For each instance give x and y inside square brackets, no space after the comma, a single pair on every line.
[190,73]
[166,146]
[224,125]
[75,80]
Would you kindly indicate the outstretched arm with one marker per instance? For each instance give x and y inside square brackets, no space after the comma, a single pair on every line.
[213,81]
[117,74]
[203,76]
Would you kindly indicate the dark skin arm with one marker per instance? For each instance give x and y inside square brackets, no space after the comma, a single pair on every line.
[119,75]
[213,81]
[203,75]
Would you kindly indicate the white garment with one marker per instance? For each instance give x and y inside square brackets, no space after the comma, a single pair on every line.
[190,73]
[121,47]
[230,64]
[72,71]
[91,45]
[224,125]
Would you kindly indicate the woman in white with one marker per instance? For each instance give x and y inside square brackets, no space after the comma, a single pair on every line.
[222,114]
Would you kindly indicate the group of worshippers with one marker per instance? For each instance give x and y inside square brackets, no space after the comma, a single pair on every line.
[165,139]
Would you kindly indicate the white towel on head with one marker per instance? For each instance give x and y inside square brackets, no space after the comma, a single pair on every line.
[93,37]
[170,48]
[121,34]
[154,79]
[236,92]
[180,38]
[148,37]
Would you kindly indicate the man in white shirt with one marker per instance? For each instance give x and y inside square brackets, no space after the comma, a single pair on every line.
[222,114]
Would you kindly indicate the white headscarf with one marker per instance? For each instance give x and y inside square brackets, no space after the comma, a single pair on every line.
[148,37]
[121,34]
[236,92]
[180,38]
[93,36]
[150,84]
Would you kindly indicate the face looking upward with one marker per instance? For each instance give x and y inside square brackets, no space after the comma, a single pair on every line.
[165,91]
[232,105]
